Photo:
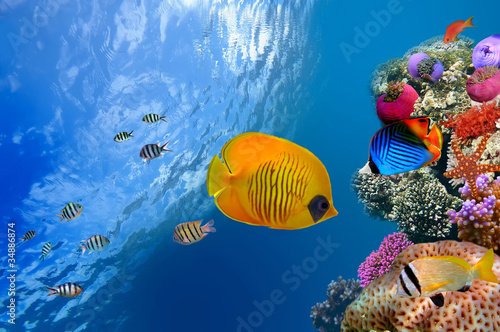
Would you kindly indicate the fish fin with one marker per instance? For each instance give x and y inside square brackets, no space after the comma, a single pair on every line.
[218,176]
[438,299]
[83,249]
[468,23]
[207,227]
[435,152]
[455,39]
[366,169]
[130,134]
[164,149]
[433,287]
[53,291]
[482,270]
[466,287]
[60,216]
[228,203]
[435,137]
[163,118]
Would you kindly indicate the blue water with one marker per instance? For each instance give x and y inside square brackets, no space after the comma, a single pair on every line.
[87,71]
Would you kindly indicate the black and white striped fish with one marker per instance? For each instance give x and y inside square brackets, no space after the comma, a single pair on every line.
[95,243]
[45,250]
[69,289]
[28,236]
[152,151]
[123,136]
[152,118]
[70,211]
[192,231]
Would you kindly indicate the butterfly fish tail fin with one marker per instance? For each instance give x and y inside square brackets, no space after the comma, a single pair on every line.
[218,176]
[483,268]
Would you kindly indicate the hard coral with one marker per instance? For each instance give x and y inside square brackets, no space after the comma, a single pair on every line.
[477,121]
[328,315]
[479,220]
[379,308]
[380,261]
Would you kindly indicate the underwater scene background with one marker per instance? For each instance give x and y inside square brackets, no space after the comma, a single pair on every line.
[76,73]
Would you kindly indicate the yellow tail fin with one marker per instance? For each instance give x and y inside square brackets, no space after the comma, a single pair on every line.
[482,270]
[217,176]
[468,23]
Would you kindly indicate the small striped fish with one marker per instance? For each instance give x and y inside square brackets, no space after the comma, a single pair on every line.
[28,236]
[152,151]
[70,212]
[45,250]
[123,136]
[152,118]
[69,289]
[95,243]
[191,232]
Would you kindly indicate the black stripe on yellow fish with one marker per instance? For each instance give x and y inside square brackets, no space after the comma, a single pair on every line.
[192,232]
[28,236]
[276,187]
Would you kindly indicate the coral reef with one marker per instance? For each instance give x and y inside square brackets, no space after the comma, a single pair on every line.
[484,84]
[379,262]
[397,103]
[479,220]
[416,200]
[328,315]
[477,121]
[422,66]
[446,96]
[487,52]
[379,308]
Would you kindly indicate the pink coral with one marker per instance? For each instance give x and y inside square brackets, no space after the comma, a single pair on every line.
[397,103]
[484,84]
[379,308]
[380,261]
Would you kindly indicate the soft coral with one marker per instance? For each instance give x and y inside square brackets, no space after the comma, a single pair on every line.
[476,122]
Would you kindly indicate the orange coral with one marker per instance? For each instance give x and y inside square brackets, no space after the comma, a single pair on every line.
[477,121]
[379,308]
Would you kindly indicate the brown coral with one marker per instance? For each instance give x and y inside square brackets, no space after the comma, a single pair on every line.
[394,90]
[477,121]
[379,308]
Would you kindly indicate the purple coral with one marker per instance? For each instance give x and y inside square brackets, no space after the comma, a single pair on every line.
[380,261]
[487,52]
[422,66]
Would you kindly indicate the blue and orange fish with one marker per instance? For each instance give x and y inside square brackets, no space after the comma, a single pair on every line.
[404,146]
[430,276]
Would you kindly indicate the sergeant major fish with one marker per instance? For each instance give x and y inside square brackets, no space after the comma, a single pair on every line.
[152,151]
[69,289]
[152,118]
[45,250]
[192,231]
[70,212]
[94,243]
[123,136]
[28,236]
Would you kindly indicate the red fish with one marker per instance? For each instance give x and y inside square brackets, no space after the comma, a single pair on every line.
[455,28]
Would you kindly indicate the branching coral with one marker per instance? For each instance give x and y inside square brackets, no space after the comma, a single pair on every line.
[477,121]
[479,220]
[328,315]
[380,261]
[417,201]
[379,308]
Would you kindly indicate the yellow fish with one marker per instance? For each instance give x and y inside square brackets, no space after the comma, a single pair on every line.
[269,181]
[429,276]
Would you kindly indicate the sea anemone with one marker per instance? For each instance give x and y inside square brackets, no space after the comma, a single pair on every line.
[397,103]
[422,66]
[484,84]
[487,52]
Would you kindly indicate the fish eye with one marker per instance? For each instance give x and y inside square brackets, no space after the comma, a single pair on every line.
[323,206]
[422,120]
[318,207]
